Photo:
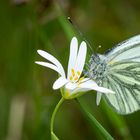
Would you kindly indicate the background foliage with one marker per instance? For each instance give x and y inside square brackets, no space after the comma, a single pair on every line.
[26,96]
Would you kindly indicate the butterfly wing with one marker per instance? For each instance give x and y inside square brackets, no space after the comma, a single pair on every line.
[126,50]
[123,76]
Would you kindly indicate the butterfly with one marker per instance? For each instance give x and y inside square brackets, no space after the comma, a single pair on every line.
[118,69]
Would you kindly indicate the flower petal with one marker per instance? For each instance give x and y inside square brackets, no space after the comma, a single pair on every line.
[80,62]
[73,55]
[103,90]
[83,87]
[52,59]
[71,86]
[91,85]
[60,82]
[88,83]
[78,90]
[51,66]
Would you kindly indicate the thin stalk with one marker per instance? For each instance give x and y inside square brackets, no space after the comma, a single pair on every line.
[54,113]
[94,122]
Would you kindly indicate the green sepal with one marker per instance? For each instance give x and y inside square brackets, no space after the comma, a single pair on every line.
[70,96]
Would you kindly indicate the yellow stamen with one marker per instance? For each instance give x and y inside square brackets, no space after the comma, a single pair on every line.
[76,78]
[71,77]
[80,80]
[73,72]
[78,72]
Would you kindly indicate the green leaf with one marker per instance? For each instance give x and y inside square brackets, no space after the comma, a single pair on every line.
[53,136]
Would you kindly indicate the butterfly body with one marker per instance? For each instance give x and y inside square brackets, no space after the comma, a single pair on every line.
[97,68]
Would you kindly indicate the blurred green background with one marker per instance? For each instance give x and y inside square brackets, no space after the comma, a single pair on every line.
[26,96]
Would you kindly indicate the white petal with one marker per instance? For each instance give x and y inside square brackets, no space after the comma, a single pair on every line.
[70,86]
[51,66]
[103,90]
[73,55]
[91,85]
[88,83]
[74,87]
[76,90]
[80,62]
[60,82]
[52,59]
[85,80]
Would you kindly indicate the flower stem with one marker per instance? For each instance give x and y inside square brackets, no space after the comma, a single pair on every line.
[54,113]
[94,122]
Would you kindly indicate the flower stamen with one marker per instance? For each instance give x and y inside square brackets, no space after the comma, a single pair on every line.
[73,71]
[80,80]
[71,77]
[78,72]
[76,78]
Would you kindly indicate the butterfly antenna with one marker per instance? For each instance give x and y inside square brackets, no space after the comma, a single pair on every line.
[80,33]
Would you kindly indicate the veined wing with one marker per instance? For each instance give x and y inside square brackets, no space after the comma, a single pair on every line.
[126,50]
[123,78]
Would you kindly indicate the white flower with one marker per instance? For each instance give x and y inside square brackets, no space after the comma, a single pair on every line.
[73,85]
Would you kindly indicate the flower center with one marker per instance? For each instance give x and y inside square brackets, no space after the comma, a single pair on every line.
[75,77]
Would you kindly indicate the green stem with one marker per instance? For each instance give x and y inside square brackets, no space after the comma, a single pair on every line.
[94,123]
[54,113]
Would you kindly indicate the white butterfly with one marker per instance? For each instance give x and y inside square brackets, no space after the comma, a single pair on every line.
[119,70]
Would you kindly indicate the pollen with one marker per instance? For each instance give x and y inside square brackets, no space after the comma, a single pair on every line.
[73,74]
[78,72]
[76,78]
[72,70]
[81,79]
[71,77]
